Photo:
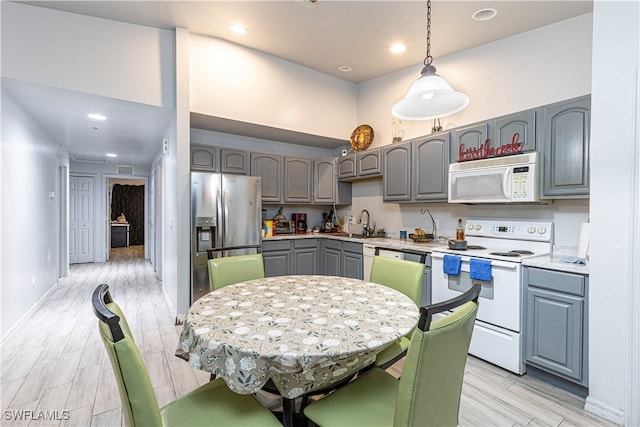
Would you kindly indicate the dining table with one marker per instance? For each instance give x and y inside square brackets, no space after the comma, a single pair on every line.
[298,333]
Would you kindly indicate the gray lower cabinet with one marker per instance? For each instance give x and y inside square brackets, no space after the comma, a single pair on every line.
[204,158]
[565,147]
[430,169]
[352,260]
[326,187]
[270,168]
[234,161]
[556,323]
[277,257]
[396,179]
[332,258]
[298,175]
[305,256]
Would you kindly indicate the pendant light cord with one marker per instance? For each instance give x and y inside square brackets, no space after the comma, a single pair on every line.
[428,59]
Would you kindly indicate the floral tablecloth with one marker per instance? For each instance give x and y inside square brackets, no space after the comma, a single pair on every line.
[304,333]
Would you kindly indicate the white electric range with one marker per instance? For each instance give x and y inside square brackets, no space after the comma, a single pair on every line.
[497,336]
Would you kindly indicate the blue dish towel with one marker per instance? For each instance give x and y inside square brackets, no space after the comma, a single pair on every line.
[451,265]
[480,269]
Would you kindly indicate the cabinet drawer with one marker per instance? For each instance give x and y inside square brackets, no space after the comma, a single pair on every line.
[333,244]
[352,247]
[556,281]
[276,245]
[304,243]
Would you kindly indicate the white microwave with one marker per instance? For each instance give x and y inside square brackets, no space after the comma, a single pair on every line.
[509,179]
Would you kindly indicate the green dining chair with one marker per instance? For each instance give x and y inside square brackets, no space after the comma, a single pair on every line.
[229,270]
[428,391]
[212,404]
[403,276]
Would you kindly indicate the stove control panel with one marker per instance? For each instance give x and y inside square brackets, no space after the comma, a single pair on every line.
[508,229]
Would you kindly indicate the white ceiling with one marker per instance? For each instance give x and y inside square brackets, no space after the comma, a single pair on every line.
[323,37]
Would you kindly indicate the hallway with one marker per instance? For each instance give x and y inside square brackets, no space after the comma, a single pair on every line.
[57,363]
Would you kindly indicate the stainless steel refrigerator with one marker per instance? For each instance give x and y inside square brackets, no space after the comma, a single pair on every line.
[226,212]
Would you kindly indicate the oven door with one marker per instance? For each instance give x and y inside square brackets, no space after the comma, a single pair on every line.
[487,185]
[500,297]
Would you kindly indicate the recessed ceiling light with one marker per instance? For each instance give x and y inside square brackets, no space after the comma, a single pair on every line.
[484,14]
[398,48]
[345,68]
[111,155]
[96,116]
[238,29]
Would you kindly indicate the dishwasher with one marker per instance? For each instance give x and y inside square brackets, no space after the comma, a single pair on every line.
[368,252]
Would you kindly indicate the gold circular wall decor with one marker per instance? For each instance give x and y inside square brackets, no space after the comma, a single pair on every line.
[362,137]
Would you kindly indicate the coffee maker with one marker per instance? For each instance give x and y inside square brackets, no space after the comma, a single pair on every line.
[300,222]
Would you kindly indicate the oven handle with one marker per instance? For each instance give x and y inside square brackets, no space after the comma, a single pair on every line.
[494,263]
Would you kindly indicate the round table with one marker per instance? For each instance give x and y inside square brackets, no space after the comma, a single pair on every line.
[305,333]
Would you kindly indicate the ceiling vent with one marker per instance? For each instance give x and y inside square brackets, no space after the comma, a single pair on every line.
[309,4]
[87,159]
[125,170]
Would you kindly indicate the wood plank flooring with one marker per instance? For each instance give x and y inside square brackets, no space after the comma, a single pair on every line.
[56,367]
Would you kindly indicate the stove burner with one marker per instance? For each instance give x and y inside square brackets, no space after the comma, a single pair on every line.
[509,254]
[522,252]
[476,247]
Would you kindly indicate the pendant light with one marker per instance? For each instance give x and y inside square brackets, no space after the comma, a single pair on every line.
[430,96]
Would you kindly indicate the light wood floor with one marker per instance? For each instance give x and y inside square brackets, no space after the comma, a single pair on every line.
[56,361]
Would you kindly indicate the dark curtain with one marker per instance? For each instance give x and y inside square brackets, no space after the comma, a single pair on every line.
[129,200]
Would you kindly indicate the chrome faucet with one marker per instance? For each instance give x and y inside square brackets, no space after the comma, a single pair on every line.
[365,225]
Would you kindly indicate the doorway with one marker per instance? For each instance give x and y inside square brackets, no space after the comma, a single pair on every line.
[126,212]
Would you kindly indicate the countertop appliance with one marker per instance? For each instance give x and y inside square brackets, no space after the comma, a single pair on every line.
[300,221]
[284,227]
[497,336]
[509,179]
[226,212]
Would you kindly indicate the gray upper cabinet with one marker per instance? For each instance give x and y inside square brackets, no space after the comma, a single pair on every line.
[565,160]
[234,161]
[396,183]
[467,141]
[204,158]
[270,168]
[298,175]
[431,167]
[515,133]
[347,166]
[369,163]
[326,187]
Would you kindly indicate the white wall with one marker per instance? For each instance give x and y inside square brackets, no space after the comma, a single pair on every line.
[230,81]
[613,389]
[29,236]
[86,54]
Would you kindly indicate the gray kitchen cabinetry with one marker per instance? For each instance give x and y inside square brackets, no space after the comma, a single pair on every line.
[305,256]
[360,165]
[270,168]
[556,326]
[234,161]
[467,140]
[396,179]
[204,158]
[326,187]
[277,257]
[515,133]
[352,260]
[332,257]
[565,147]
[298,178]
[430,169]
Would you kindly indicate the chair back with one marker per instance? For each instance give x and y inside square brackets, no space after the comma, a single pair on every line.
[229,270]
[431,382]
[139,402]
[401,275]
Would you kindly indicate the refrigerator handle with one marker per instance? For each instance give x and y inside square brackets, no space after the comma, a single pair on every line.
[225,203]
[219,221]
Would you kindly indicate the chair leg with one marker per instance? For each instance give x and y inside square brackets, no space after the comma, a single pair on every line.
[288,409]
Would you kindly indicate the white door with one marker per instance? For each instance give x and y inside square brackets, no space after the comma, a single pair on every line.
[81,221]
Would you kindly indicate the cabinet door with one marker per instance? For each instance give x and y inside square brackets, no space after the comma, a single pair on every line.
[204,158]
[554,332]
[269,168]
[332,260]
[396,179]
[565,163]
[369,163]
[352,260]
[297,180]
[347,167]
[304,261]
[234,161]
[431,168]
[515,133]
[467,142]
[324,181]
[277,257]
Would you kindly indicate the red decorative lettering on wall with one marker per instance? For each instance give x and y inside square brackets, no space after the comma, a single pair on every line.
[485,150]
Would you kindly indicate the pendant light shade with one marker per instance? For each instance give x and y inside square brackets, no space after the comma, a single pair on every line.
[430,96]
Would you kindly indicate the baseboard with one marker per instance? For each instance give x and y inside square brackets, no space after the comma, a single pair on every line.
[28,313]
[603,410]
